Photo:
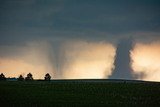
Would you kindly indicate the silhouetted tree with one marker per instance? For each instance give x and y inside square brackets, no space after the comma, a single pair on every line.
[2,77]
[47,77]
[29,77]
[20,78]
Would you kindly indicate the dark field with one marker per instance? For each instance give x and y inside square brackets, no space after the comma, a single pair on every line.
[79,93]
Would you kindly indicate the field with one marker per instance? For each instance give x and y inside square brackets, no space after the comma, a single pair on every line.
[74,93]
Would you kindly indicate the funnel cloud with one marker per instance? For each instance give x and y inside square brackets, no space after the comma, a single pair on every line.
[122,62]
[116,39]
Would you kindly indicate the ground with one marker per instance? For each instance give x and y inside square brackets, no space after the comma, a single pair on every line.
[72,93]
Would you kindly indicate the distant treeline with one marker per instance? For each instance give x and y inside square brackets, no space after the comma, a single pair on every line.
[29,77]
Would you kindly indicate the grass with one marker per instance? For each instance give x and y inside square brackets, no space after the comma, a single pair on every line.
[77,94]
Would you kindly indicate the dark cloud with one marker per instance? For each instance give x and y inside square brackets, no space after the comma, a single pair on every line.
[56,21]
[21,18]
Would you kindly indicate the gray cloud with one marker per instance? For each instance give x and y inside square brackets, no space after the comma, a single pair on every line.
[62,20]
[103,16]
[122,63]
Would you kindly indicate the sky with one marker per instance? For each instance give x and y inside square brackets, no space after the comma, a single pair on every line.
[80,39]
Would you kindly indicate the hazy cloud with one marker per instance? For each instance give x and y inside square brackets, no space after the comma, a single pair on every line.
[35,31]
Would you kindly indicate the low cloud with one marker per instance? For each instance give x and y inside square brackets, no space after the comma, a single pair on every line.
[88,59]
[33,57]
[64,59]
[146,60]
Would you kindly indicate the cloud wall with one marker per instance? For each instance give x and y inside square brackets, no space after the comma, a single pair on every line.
[146,61]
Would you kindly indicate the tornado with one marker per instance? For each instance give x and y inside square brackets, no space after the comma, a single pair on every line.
[122,62]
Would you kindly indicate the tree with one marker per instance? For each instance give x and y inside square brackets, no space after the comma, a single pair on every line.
[2,77]
[29,77]
[47,77]
[20,78]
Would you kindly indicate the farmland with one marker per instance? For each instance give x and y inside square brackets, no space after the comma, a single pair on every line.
[76,93]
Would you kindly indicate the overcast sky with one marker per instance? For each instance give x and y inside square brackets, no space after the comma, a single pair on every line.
[90,19]
[50,24]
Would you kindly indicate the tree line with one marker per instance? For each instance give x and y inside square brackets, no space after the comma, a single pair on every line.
[29,77]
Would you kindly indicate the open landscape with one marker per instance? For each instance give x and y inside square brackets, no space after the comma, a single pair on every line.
[79,93]
[79,53]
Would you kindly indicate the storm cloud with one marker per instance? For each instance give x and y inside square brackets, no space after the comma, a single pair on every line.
[57,36]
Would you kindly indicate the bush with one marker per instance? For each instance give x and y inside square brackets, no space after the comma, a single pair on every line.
[2,77]
[47,77]
[29,77]
[20,78]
